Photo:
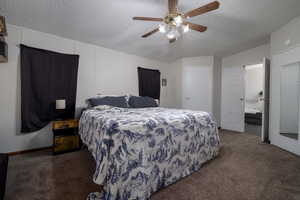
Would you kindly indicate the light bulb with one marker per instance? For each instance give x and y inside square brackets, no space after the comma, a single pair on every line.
[186,28]
[171,35]
[162,28]
[178,20]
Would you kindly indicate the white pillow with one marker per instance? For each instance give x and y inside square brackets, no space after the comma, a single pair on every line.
[103,107]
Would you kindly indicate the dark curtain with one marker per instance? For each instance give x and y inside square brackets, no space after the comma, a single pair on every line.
[3,173]
[149,82]
[46,76]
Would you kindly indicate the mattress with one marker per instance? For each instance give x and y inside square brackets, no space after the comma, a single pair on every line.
[139,151]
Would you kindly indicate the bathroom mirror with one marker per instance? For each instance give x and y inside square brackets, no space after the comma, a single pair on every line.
[289,101]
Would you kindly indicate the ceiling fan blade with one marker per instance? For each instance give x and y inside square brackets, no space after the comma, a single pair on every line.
[154,19]
[204,9]
[172,40]
[173,6]
[196,27]
[150,33]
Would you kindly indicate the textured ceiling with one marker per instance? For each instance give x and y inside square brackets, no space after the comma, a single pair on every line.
[237,25]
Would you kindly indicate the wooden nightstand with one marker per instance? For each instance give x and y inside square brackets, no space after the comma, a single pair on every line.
[65,136]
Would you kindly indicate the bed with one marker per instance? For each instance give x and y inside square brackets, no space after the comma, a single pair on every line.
[139,151]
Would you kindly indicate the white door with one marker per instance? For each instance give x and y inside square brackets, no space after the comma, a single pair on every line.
[197,87]
[266,98]
[233,92]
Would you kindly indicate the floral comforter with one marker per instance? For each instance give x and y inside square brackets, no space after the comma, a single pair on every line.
[139,151]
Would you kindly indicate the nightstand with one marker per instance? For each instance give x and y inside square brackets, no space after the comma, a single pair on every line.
[65,136]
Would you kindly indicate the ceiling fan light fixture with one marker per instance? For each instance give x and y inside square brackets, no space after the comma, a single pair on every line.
[162,28]
[185,28]
[178,20]
[172,34]
[174,24]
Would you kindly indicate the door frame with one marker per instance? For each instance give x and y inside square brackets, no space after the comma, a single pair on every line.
[242,96]
[266,88]
[265,133]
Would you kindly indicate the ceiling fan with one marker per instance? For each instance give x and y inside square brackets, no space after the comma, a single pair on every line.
[174,24]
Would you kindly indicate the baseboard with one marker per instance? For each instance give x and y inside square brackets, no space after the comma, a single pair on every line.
[29,151]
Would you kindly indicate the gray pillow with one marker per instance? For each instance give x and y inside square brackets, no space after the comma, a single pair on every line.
[120,101]
[142,102]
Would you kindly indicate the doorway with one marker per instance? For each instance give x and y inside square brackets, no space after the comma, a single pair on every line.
[234,100]
[254,99]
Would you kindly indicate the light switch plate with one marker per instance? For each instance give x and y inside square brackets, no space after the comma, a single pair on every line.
[287,42]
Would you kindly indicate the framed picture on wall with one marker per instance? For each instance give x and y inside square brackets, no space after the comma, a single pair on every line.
[164,82]
[3,31]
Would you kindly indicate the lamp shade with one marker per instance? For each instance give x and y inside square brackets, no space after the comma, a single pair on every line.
[60,104]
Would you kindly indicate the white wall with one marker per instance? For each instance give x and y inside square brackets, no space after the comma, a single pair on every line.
[253,86]
[285,38]
[282,41]
[197,80]
[174,72]
[217,88]
[248,57]
[207,77]
[101,70]
[283,53]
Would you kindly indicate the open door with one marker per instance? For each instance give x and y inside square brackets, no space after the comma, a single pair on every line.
[266,99]
[233,95]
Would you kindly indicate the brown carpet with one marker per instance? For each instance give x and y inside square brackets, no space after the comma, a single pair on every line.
[245,170]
